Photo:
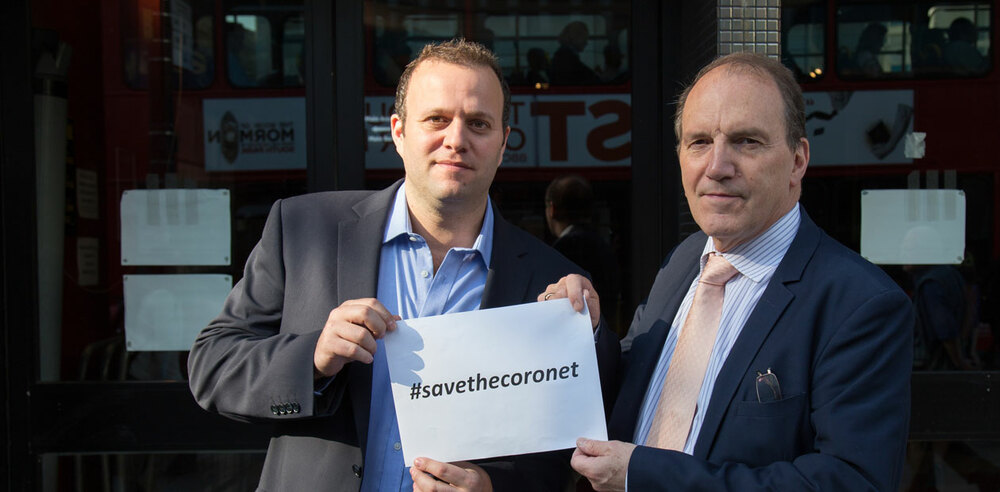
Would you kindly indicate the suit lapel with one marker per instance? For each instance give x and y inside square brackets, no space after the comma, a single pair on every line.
[662,303]
[772,304]
[510,286]
[359,244]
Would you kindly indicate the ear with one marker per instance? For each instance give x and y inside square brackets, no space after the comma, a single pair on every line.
[800,163]
[396,129]
[503,145]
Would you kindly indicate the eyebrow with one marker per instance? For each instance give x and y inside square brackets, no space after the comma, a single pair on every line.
[475,114]
[749,131]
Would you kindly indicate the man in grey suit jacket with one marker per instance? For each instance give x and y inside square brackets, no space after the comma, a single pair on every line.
[297,340]
[803,383]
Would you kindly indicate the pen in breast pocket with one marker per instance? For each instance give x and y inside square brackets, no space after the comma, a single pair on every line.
[768,389]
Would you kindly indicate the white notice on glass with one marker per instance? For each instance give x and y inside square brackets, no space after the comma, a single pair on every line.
[495,382]
[913,227]
[166,312]
[175,227]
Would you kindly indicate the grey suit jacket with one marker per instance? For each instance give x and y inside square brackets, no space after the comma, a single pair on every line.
[254,362]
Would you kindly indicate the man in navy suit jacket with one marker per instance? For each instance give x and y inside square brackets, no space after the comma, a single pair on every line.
[807,385]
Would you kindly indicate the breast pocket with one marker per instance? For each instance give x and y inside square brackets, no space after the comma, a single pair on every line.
[762,433]
[784,408]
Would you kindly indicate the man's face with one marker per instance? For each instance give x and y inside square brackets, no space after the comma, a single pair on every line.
[453,138]
[739,174]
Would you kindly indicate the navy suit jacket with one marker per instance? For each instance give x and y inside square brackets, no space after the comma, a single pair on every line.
[835,330]
[254,362]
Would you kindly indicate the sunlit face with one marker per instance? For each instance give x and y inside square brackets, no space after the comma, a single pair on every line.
[739,174]
[453,138]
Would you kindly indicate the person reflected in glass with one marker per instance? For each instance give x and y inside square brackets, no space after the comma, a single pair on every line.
[870,43]
[569,212]
[961,54]
[567,68]
[612,72]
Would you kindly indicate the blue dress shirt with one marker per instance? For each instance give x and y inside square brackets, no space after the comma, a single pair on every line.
[756,261]
[409,286]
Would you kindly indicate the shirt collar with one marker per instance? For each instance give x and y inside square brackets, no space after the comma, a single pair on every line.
[399,225]
[760,256]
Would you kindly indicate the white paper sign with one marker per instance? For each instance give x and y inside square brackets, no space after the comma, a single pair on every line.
[175,227]
[495,382]
[87,261]
[166,312]
[913,227]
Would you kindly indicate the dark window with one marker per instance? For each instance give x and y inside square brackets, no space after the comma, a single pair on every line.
[264,44]
[803,37]
[564,44]
[906,40]
[190,51]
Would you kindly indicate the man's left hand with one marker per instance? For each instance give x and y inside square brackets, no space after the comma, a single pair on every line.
[579,290]
[429,475]
[604,463]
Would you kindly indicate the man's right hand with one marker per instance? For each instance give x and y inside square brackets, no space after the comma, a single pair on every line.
[349,335]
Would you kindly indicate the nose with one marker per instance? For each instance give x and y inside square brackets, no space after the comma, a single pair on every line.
[720,163]
[454,136]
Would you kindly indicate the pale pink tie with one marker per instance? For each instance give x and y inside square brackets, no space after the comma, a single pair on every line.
[678,400]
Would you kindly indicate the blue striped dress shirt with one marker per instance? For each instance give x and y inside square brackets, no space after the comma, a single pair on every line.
[756,261]
[409,286]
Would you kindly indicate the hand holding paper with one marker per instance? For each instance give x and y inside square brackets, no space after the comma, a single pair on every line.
[576,288]
[603,463]
[349,335]
[429,475]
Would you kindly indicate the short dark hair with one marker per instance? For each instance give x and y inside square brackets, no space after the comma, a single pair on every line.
[459,52]
[791,93]
[572,199]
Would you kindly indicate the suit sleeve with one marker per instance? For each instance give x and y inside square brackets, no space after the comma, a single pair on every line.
[242,365]
[859,411]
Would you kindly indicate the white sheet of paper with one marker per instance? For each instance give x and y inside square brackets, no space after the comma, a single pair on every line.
[453,381]
[913,227]
[166,312]
[88,266]
[175,227]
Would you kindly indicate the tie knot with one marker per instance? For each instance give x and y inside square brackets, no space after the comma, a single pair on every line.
[717,270]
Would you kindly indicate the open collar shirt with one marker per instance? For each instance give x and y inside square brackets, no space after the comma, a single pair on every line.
[409,287]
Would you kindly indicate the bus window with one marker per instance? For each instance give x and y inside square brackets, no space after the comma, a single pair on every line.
[538,49]
[905,40]
[192,39]
[968,29]
[264,44]
[292,51]
[401,31]
[570,46]
[803,32]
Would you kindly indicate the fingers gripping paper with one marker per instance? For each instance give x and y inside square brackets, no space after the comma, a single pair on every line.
[495,382]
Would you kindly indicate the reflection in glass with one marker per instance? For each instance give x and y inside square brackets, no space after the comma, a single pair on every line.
[264,44]
[902,39]
[570,44]
[803,32]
